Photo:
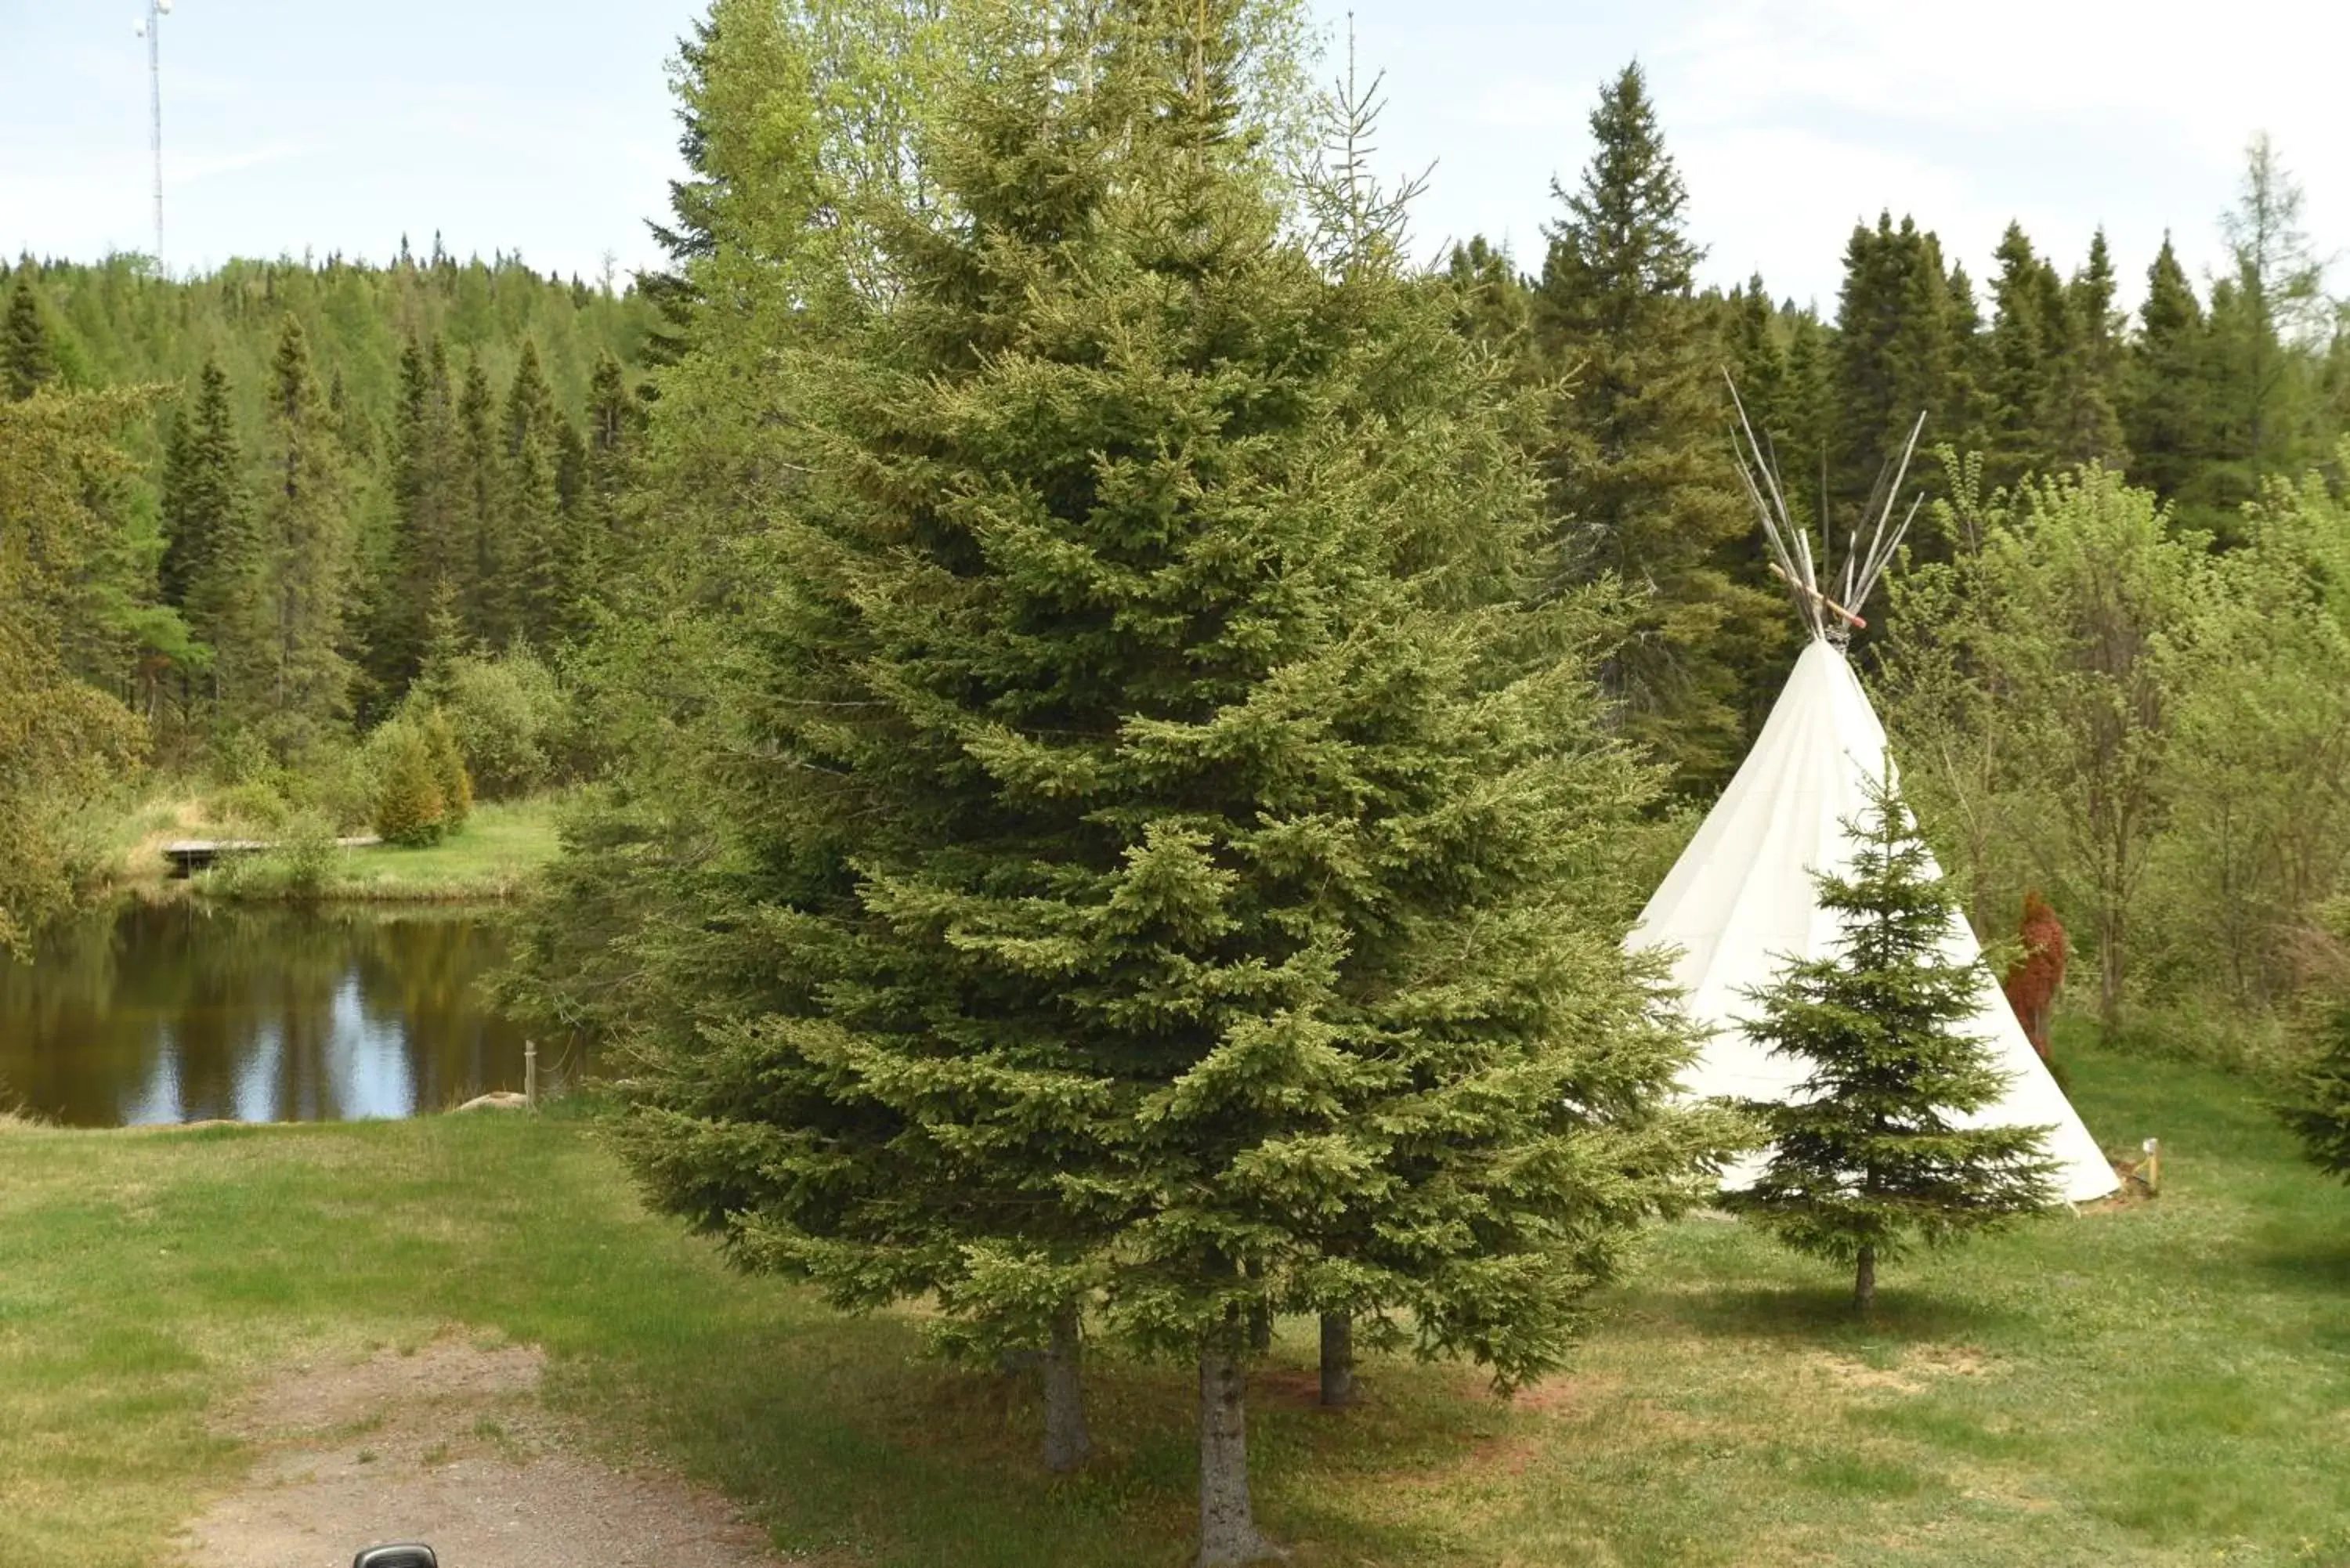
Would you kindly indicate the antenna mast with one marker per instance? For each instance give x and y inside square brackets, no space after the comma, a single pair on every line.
[151,29]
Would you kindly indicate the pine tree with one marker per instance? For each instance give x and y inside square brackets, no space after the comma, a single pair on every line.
[1758,360]
[489,562]
[27,363]
[2087,427]
[1802,446]
[431,542]
[1965,418]
[1867,1156]
[1166,875]
[448,768]
[1492,306]
[63,742]
[445,644]
[294,681]
[202,491]
[2022,389]
[1901,348]
[531,523]
[570,470]
[1642,472]
[2320,1109]
[2165,402]
[411,807]
[616,420]
[208,555]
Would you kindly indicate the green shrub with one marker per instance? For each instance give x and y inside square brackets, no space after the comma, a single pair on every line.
[298,868]
[335,781]
[456,784]
[511,720]
[253,806]
[409,805]
[306,854]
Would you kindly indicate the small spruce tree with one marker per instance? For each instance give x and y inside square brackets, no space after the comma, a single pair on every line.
[1869,1158]
[2321,1111]
[449,768]
[410,807]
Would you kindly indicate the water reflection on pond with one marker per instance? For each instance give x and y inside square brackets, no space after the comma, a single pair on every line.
[188,1010]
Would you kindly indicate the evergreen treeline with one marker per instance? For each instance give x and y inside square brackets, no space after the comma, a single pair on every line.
[2203,396]
[351,461]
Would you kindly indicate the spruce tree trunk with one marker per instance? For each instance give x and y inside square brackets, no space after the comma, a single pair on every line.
[1863,1284]
[1260,1324]
[1067,1442]
[1228,1533]
[1338,1359]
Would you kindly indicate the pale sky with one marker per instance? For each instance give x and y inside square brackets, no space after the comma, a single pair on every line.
[542,127]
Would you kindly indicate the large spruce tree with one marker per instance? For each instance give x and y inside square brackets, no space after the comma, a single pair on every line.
[202,487]
[1181,874]
[1642,470]
[432,541]
[2050,359]
[2166,400]
[28,362]
[208,564]
[2085,423]
[536,553]
[483,599]
[287,656]
[1868,1154]
[1905,343]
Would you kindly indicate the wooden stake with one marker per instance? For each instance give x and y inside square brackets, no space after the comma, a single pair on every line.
[530,1074]
[1807,588]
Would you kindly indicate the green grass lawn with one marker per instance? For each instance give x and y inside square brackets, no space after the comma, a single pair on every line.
[2168,1383]
[502,843]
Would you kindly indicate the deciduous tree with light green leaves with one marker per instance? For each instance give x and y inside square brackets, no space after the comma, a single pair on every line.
[2036,688]
[62,742]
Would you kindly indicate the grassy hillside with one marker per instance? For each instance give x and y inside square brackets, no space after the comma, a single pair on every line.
[2158,1384]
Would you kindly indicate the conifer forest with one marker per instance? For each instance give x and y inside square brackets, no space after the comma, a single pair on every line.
[1111,709]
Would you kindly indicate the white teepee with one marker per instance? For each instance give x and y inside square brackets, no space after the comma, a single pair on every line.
[1742,899]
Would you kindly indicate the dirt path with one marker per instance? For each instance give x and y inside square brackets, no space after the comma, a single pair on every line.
[449,1445]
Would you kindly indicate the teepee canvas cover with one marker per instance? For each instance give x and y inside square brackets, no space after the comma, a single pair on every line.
[1741,900]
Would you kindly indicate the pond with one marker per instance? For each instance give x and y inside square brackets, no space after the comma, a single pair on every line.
[187,1010]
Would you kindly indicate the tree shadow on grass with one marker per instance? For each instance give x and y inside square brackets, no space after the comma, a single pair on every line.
[841,1435]
[1814,1314]
[2314,1267]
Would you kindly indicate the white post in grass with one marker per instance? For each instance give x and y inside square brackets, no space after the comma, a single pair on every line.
[530,1074]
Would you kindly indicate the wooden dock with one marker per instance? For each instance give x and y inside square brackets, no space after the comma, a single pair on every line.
[190,856]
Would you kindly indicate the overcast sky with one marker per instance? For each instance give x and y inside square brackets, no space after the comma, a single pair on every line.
[543,128]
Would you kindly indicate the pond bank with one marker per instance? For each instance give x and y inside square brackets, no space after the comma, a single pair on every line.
[490,860]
